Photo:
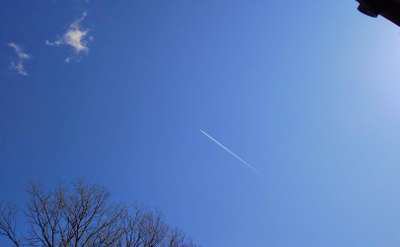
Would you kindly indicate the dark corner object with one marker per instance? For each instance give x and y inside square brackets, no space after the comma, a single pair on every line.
[390,9]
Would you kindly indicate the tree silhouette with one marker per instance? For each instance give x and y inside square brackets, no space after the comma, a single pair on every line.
[84,215]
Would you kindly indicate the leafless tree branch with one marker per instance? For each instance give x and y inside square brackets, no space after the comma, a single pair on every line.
[85,216]
[8,223]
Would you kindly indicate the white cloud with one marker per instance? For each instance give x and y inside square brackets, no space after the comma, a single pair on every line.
[19,64]
[75,37]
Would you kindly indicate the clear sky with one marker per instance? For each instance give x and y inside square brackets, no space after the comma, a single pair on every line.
[116,92]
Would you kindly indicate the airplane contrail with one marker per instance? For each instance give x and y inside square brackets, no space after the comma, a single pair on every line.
[245,163]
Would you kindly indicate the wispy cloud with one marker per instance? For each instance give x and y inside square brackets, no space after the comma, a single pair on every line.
[75,37]
[244,163]
[19,63]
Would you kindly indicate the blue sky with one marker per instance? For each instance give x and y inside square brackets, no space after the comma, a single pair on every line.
[306,92]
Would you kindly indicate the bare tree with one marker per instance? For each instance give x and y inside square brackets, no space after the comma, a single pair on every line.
[178,239]
[85,216]
[8,223]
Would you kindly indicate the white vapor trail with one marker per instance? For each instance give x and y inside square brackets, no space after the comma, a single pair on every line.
[245,163]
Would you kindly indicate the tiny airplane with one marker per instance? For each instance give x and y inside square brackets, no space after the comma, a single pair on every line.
[390,9]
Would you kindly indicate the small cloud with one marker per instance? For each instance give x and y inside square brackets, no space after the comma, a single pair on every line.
[75,37]
[19,64]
